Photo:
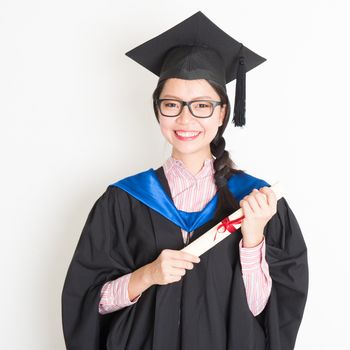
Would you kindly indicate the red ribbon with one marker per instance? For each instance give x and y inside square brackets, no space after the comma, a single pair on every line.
[227,224]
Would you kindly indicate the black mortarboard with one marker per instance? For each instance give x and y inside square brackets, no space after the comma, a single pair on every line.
[196,48]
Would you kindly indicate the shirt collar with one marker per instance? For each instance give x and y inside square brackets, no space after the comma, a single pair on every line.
[176,166]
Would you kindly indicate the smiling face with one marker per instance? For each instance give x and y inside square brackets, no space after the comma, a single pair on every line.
[190,136]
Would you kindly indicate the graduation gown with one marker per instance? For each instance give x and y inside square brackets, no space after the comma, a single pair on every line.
[207,309]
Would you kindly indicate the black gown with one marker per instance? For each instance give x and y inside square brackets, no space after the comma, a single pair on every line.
[206,310]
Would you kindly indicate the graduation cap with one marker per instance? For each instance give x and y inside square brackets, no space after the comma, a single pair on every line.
[196,48]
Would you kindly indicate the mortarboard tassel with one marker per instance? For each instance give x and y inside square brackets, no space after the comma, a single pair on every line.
[239,109]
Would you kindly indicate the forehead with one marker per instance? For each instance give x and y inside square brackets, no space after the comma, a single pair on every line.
[188,89]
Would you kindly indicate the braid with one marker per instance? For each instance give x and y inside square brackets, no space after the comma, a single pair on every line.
[224,169]
[221,161]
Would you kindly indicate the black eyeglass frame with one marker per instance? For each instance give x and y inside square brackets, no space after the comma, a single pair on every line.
[188,104]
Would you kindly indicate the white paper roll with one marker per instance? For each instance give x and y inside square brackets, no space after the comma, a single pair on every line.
[206,241]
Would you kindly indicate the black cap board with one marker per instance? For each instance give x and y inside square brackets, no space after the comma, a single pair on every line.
[197,48]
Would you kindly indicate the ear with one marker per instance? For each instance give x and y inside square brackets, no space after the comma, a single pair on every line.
[222,114]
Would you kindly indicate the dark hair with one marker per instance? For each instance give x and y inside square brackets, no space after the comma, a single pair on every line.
[223,164]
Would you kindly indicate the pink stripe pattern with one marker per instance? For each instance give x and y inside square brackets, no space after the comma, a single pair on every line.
[191,193]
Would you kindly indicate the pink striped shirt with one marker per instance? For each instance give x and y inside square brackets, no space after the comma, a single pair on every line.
[191,193]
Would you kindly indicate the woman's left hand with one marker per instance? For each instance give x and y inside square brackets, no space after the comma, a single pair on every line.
[258,207]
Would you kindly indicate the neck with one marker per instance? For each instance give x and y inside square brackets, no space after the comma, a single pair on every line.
[192,162]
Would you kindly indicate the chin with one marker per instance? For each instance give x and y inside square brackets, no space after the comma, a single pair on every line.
[188,150]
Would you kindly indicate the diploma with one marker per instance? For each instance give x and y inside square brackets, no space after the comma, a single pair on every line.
[223,229]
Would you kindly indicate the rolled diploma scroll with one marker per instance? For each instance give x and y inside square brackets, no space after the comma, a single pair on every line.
[206,241]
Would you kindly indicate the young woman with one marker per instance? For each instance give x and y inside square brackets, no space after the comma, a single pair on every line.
[129,285]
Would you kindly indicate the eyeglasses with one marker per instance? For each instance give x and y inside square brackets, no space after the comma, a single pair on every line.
[198,108]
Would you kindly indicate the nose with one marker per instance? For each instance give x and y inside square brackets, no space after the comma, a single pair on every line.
[185,116]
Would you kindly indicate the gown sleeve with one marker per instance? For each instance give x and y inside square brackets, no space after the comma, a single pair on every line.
[286,254]
[93,264]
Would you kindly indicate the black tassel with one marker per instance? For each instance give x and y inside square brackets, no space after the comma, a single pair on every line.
[239,109]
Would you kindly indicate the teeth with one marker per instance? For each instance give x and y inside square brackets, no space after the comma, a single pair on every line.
[187,133]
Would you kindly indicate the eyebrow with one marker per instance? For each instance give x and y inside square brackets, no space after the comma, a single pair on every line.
[195,98]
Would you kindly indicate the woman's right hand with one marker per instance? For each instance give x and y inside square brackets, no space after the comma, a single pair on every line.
[170,266]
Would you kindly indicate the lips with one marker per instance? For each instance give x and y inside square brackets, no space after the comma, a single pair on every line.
[185,135]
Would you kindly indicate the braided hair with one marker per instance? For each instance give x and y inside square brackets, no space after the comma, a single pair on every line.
[223,164]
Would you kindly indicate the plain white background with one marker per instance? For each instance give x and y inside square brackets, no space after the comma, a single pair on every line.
[76,116]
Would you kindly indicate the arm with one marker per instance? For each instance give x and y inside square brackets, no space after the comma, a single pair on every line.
[115,296]
[124,291]
[256,277]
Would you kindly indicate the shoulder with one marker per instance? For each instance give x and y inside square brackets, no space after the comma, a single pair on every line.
[120,190]
[248,178]
[243,183]
[137,178]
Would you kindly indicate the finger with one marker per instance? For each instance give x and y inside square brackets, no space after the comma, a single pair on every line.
[270,194]
[175,271]
[261,198]
[182,264]
[253,203]
[247,210]
[179,255]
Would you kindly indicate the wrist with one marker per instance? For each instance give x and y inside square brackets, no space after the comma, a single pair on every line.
[139,281]
[252,243]
[146,275]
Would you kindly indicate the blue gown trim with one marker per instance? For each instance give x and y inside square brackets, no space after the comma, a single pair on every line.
[146,187]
